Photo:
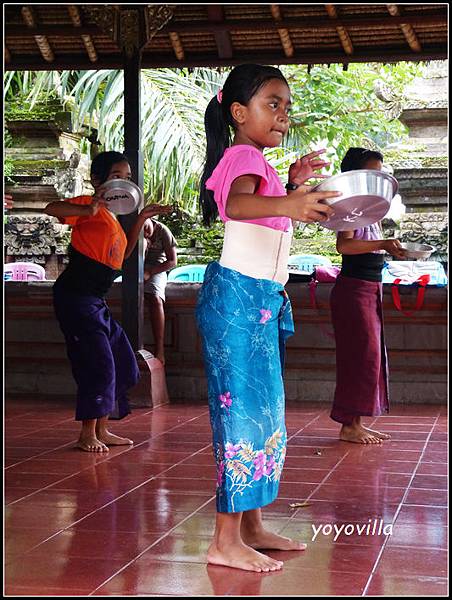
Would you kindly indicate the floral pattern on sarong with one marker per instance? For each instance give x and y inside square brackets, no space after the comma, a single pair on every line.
[243,324]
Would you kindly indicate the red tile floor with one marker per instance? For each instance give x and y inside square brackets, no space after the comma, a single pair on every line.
[138,521]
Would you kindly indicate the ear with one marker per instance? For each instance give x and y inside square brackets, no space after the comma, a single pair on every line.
[238,112]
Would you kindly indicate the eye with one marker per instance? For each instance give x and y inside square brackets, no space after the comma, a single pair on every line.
[274,105]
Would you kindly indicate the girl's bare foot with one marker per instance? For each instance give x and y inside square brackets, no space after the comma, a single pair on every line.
[91,444]
[358,435]
[240,556]
[109,439]
[267,540]
[160,356]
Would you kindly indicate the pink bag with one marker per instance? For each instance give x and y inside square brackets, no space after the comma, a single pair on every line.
[322,274]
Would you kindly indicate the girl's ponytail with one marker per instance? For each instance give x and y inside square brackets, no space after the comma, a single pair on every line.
[218,139]
[240,86]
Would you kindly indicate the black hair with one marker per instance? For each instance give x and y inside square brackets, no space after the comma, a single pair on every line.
[102,164]
[356,158]
[240,86]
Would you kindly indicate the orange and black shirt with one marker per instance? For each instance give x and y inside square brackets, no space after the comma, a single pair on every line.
[96,251]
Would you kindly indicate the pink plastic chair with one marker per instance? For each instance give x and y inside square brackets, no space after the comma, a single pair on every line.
[23,271]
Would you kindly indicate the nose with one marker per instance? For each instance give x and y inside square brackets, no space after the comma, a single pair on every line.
[283,117]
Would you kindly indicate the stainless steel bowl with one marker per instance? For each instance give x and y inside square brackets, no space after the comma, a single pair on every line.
[122,196]
[366,198]
[414,250]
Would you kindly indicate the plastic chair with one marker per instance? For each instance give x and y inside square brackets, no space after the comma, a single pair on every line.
[307,262]
[188,274]
[23,271]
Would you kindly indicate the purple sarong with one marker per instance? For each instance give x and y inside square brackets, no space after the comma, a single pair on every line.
[103,362]
[361,359]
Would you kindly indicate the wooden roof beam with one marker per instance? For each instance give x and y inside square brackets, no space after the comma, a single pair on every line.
[341,31]
[87,40]
[284,35]
[41,41]
[408,31]
[7,55]
[215,15]
[153,60]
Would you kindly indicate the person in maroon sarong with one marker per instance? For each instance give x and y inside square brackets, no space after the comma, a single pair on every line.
[356,310]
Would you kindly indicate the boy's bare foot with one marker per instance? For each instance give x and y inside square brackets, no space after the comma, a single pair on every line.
[270,541]
[358,435]
[110,439]
[91,444]
[240,556]
[378,434]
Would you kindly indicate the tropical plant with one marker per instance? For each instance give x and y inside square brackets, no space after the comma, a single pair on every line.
[332,108]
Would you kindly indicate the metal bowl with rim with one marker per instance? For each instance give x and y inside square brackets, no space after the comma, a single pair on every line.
[414,250]
[366,198]
[122,196]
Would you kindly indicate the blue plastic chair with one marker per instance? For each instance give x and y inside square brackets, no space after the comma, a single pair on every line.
[307,262]
[188,274]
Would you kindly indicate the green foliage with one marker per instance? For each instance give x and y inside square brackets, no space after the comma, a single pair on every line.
[338,109]
[8,170]
[332,108]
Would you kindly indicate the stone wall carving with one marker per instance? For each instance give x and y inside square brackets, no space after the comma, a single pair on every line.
[68,183]
[426,228]
[35,238]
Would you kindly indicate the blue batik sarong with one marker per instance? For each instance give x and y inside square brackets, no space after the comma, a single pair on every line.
[244,323]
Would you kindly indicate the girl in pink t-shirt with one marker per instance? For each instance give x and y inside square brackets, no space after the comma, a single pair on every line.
[243,311]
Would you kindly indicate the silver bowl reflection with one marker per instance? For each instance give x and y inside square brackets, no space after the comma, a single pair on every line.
[414,250]
[122,196]
[366,198]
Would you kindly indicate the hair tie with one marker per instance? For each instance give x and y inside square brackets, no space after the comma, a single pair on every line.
[220,96]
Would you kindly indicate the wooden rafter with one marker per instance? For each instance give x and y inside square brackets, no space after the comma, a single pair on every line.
[284,35]
[177,45]
[439,17]
[341,31]
[41,41]
[7,55]
[215,14]
[86,38]
[408,31]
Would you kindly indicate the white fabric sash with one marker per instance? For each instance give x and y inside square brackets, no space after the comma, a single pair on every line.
[256,251]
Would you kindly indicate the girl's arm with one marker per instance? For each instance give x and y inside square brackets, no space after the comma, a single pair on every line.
[347,245]
[301,204]
[61,209]
[148,211]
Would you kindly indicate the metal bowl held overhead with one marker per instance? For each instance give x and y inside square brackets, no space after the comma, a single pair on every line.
[122,196]
[414,250]
[366,198]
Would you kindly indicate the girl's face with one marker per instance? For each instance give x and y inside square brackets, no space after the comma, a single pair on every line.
[373,163]
[265,120]
[120,170]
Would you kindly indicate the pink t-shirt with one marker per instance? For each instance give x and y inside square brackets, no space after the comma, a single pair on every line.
[247,160]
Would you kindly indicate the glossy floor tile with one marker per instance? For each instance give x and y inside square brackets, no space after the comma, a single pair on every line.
[139,520]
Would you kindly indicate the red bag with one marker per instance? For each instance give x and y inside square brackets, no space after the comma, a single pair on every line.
[422,281]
